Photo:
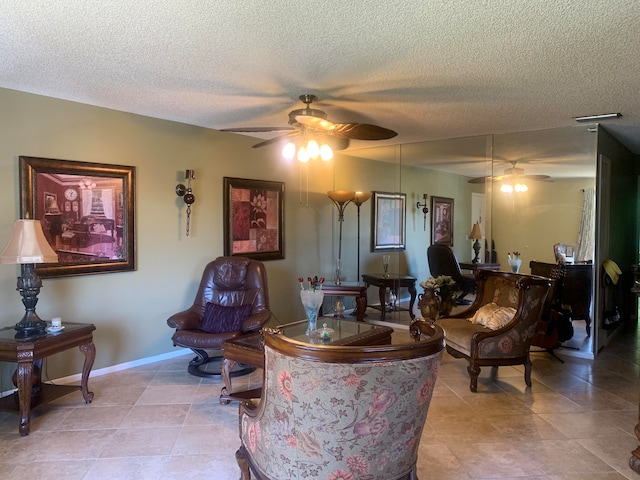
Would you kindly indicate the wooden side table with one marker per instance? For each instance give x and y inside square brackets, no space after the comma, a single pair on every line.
[29,355]
[349,289]
[392,282]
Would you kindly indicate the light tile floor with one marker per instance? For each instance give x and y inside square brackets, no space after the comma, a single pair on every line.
[159,422]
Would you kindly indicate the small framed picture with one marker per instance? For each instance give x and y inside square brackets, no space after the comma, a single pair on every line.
[388,221]
[253,218]
[442,221]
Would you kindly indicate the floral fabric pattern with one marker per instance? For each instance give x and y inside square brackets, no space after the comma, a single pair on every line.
[340,421]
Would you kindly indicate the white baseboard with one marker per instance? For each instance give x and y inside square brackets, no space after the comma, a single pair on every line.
[114,368]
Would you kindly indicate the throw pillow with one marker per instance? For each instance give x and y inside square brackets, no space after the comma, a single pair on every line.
[221,319]
[493,316]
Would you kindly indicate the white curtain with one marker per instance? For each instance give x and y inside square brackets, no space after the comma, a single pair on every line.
[586,236]
[107,202]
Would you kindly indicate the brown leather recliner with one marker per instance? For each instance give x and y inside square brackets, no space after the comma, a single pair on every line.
[229,282]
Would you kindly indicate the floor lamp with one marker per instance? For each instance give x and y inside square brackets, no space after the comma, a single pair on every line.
[341,199]
[359,199]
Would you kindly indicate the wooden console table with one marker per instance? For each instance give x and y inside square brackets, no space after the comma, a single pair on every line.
[29,354]
[474,267]
[349,289]
[393,282]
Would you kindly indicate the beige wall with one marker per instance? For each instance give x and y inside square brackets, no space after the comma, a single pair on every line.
[532,223]
[130,309]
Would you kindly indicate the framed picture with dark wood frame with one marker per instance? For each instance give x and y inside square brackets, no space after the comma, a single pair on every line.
[253,218]
[442,221]
[96,235]
[388,221]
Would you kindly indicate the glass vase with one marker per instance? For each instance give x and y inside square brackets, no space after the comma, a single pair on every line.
[515,263]
[311,301]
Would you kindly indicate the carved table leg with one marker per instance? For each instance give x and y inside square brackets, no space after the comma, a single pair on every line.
[227,366]
[382,293]
[361,307]
[89,351]
[24,377]
[412,291]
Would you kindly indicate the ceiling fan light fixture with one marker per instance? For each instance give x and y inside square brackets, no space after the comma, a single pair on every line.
[303,156]
[520,187]
[289,151]
[506,188]
[326,153]
[313,149]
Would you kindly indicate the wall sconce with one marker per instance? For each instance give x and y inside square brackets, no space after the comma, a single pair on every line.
[425,209]
[187,194]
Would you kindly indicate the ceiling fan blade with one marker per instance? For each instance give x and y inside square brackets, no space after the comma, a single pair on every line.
[336,143]
[257,129]
[362,131]
[539,178]
[273,140]
[479,180]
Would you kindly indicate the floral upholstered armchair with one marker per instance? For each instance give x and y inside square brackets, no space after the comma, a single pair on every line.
[498,327]
[339,412]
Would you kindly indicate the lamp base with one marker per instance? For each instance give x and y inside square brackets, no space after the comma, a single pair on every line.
[30,329]
[30,326]
[476,249]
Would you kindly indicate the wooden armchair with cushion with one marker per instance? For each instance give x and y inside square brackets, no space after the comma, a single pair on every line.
[340,412]
[232,300]
[497,329]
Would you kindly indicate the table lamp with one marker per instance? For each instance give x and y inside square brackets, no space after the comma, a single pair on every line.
[26,247]
[476,235]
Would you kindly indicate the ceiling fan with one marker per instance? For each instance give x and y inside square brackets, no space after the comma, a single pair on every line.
[511,173]
[311,122]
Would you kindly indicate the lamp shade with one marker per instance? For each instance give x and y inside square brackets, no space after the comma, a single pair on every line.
[28,245]
[361,197]
[475,234]
[341,196]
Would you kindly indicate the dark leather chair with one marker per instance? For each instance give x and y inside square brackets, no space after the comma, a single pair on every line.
[227,282]
[443,261]
[574,290]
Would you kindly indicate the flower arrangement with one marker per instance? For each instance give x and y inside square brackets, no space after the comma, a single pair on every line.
[513,256]
[315,283]
[434,283]
[440,294]
[311,300]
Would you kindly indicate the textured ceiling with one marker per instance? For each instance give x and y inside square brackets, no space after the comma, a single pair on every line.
[427,69]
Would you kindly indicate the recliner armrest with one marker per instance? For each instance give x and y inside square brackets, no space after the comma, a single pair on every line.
[185,320]
[255,322]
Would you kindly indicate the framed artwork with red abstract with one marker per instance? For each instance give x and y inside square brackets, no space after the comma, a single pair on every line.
[253,218]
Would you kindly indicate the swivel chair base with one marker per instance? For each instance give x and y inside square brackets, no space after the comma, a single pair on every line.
[210,367]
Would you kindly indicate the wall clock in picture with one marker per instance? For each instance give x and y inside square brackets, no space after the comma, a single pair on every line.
[253,218]
[71,194]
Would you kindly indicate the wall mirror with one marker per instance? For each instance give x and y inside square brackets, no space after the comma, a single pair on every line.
[557,165]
